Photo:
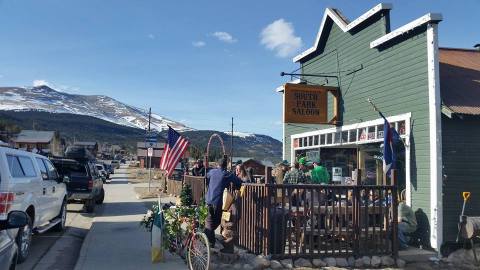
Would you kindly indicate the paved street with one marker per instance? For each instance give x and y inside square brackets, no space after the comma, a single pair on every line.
[111,235]
[116,241]
[54,250]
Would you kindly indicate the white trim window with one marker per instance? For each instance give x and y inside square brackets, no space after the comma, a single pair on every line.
[361,133]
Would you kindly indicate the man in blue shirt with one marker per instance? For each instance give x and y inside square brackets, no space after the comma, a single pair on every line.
[217,180]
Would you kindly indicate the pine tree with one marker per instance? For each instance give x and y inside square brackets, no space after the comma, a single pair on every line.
[186,197]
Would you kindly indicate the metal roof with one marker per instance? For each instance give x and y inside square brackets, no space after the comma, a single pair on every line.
[460,80]
[85,143]
[35,136]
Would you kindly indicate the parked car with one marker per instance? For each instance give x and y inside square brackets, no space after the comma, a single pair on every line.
[103,173]
[109,169]
[8,246]
[84,184]
[115,164]
[30,183]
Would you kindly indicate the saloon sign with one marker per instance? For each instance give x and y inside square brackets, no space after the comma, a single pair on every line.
[308,104]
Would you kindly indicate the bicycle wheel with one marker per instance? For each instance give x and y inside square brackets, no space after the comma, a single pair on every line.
[198,252]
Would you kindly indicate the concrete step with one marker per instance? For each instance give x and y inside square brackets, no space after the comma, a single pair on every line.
[413,254]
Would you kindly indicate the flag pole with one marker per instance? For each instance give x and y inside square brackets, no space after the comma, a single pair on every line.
[369,100]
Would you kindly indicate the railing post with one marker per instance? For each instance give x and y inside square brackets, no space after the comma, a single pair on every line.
[268,175]
[356,212]
[394,214]
[267,227]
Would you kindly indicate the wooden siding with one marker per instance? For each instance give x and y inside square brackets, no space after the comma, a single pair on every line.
[461,159]
[394,76]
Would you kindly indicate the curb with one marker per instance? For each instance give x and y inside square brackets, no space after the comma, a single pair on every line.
[83,251]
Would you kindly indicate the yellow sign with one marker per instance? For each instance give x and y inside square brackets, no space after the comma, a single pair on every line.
[307,104]
[226,215]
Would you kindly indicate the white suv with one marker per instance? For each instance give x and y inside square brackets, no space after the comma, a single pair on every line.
[30,183]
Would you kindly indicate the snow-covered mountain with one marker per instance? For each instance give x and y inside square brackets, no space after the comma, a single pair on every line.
[44,98]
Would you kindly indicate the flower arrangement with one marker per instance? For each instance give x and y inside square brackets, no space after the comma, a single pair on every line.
[178,220]
[147,220]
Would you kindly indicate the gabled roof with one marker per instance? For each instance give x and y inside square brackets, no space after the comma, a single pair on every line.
[85,143]
[35,136]
[342,22]
[460,80]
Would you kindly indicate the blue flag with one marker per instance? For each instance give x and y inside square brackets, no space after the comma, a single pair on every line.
[390,138]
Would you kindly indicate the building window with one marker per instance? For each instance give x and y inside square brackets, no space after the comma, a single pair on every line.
[315,140]
[344,136]
[380,132]
[310,141]
[338,138]
[329,138]
[352,136]
[322,139]
[401,128]
[371,133]
[363,134]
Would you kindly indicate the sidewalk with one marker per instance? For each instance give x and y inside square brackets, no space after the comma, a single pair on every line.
[116,241]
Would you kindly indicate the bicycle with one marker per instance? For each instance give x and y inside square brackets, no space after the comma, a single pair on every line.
[192,245]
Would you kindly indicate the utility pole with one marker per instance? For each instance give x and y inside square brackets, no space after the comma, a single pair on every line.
[149,157]
[231,148]
[149,118]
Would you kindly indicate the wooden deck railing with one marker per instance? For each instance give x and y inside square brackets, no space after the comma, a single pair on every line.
[197,183]
[317,220]
[174,187]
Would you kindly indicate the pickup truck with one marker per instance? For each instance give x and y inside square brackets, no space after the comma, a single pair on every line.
[31,184]
[84,185]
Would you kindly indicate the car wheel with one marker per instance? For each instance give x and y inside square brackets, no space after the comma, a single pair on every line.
[101,197]
[90,206]
[63,216]
[24,239]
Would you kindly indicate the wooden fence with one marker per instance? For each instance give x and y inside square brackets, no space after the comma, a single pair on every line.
[174,187]
[197,183]
[289,221]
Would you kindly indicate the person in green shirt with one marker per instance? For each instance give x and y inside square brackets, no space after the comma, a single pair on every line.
[319,174]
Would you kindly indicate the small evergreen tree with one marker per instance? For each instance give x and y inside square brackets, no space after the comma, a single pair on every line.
[186,197]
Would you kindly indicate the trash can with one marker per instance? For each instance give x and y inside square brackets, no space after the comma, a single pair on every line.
[278,230]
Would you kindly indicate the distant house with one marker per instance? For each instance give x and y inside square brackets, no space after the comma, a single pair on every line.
[240,159]
[48,142]
[91,146]
[143,157]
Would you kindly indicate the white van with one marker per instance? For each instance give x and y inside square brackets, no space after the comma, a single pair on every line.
[30,183]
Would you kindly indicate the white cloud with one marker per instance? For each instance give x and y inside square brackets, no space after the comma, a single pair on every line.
[279,36]
[225,37]
[199,44]
[151,36]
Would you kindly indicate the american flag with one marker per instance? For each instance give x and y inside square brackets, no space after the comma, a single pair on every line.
[174,149]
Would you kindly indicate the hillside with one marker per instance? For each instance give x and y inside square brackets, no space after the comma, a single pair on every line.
[89,128]
[44,98]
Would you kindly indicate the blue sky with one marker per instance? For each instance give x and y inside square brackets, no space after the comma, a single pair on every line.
[199,62]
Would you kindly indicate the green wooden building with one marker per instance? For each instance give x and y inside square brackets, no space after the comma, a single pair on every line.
[403,72]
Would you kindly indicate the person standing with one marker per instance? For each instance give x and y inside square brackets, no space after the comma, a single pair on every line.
[295,175]
[198,169]
[319,174]
[280,171]
[217,180]
[242,173]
